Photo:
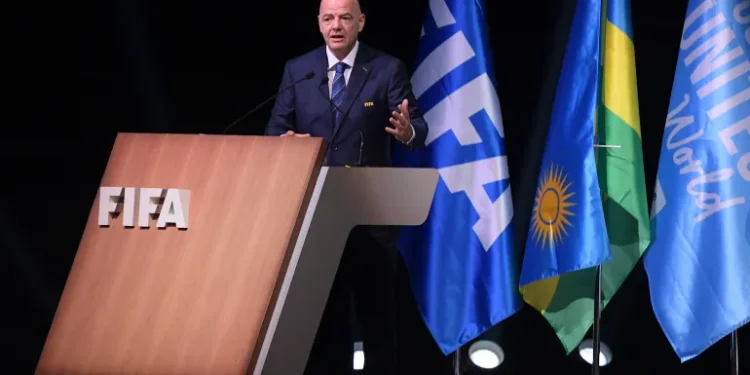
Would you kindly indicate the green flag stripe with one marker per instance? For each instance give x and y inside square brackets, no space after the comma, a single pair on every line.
[622,180]
[570,312]
[621,174]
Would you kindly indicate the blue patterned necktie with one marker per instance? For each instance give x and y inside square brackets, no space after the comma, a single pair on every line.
[337,92]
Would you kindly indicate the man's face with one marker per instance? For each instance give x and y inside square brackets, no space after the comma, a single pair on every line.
[340,22]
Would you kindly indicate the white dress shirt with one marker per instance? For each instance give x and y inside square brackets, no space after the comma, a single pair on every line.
[349,61]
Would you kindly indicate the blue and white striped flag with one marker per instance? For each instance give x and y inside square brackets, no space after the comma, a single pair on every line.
[461,262]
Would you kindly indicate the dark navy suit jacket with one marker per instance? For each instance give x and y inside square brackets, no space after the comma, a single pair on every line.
[377,85]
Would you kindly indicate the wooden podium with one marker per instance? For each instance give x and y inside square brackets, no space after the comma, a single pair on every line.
[242,288]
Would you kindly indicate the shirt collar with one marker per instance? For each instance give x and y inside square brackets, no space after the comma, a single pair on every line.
[348,60]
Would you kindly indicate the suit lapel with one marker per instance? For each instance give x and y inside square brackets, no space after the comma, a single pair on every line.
[360,73]
[322,72]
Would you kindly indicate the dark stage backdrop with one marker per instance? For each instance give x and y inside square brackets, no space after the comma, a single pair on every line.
[194,66]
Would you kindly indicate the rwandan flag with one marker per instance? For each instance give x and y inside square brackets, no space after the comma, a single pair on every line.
[567,231]
[568,238]
[620,168]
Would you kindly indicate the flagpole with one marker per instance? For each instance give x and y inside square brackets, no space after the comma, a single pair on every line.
[598,299]
[597,319]
[734,354]
[457,362]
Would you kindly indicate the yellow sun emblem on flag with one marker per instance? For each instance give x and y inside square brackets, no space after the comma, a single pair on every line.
[551,208]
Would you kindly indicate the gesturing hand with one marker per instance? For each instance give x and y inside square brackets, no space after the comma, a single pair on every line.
[401,129]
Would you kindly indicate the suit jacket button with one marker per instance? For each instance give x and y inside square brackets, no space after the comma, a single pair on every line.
[335,148]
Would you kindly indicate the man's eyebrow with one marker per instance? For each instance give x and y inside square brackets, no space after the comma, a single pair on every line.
[328,14]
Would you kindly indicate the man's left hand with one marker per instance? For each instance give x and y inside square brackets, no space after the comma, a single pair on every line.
[402,128]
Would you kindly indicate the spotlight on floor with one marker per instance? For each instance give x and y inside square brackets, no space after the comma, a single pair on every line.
[359,356]
[586,351]
[486,354]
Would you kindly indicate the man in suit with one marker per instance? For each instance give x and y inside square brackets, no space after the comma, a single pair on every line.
[360,101]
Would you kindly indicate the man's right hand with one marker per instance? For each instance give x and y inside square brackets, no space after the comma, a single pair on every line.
[291,133]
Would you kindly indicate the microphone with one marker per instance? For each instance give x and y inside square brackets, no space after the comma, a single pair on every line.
[306,77]
[324,81]
[361,147]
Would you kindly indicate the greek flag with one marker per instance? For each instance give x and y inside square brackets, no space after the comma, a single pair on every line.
[699,262]
[461,262]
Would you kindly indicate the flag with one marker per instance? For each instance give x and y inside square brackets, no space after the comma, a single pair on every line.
[567,236]
[461,262]
[553,42]
[698,266]
[620,160]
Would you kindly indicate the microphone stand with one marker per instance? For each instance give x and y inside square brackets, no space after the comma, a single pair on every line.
[306,77]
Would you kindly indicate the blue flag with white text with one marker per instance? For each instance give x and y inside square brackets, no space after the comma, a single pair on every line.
[461,262]
[699,263]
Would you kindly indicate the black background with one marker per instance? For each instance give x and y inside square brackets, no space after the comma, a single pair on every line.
[78,73]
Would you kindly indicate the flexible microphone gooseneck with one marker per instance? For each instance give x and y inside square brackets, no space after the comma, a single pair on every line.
[257,107]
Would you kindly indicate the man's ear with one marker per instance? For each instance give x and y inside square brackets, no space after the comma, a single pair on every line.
[361,22]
